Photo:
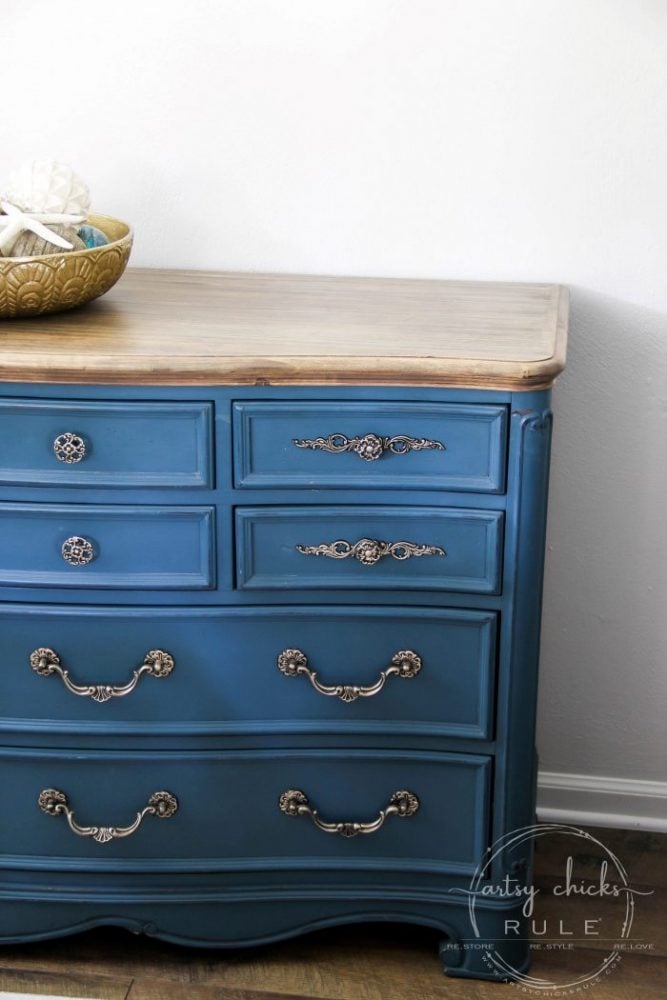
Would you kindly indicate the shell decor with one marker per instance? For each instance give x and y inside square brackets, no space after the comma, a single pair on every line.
[31,244]
[39,195]
[47,186]
[54,254]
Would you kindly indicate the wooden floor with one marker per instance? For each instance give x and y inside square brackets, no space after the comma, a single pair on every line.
[374,962]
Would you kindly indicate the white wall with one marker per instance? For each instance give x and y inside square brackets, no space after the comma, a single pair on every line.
[523,139]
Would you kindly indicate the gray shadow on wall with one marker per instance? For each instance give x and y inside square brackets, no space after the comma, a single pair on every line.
[603,682]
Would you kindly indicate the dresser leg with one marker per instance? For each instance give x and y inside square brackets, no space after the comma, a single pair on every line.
[494,954]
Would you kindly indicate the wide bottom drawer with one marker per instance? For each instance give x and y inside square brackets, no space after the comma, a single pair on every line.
[255,810]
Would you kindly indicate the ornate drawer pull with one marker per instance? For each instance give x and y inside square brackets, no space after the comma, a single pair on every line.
[405,663]
[156,663]
[368,551]
[69,448]
[295,803]
[54,803]
[77,551]
[370,447]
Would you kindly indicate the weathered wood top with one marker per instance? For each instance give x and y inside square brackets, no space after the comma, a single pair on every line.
[202,328]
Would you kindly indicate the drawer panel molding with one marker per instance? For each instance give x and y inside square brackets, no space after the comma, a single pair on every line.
[225,809]
[110,445]
[399,548]
[128,547]
[242,671]
[361,445]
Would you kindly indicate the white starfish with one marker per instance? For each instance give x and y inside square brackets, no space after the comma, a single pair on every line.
[14,222]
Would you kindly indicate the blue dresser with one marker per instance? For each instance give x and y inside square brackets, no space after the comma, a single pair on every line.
[271,553]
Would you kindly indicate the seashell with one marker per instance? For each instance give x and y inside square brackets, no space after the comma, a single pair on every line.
[92,237]
[29,244]
[14,222]
[48,186]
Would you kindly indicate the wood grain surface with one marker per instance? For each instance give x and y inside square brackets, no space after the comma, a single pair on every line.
[202,328]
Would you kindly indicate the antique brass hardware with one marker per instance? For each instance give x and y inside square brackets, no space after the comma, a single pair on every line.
[294,802]
[157,663]
[370,447]
[368,551]
[69,448]
[77,551]
[53,802]
[405,663]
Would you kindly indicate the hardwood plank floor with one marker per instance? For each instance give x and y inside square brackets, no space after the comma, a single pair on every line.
[370,962]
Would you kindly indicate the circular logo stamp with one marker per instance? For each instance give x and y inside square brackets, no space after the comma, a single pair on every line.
[583,903]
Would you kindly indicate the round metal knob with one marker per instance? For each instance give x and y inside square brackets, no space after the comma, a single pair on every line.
[69,448]
[77,551]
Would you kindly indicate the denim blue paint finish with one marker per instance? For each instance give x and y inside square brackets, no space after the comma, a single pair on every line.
[472,457]
[141,445]
[231,919]
[465,746]
[352,785]
[520,638]
[268,558]
[133,546]
[226,678]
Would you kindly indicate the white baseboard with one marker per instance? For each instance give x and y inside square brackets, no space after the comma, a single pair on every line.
[591,800]
[34,996]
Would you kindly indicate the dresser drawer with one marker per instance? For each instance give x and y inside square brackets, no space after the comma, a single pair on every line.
[229,813]
[57,545]
[106,444]
[443,446]
[249,670]
[427,548]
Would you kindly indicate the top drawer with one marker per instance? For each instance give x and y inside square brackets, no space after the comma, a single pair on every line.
[106,444]
[443,446]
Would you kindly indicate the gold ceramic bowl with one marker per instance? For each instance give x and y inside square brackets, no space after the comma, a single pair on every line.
[30,286]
